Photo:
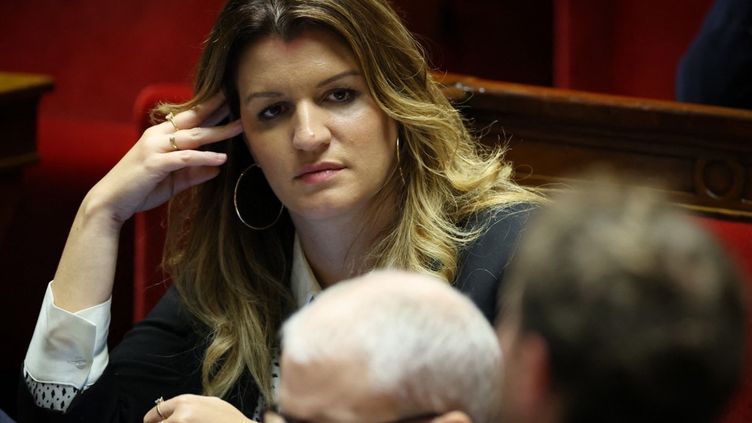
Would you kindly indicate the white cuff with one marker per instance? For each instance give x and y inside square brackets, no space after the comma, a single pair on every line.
[69,348]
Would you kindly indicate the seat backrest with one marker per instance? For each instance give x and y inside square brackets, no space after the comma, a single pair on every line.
[149,281]
[626,47]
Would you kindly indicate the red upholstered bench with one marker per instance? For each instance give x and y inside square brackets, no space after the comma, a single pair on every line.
[149,282]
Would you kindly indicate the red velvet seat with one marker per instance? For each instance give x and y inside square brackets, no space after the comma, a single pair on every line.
[149,282]
[737,238]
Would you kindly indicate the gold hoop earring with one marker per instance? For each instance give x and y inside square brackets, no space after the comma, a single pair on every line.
[237,210]
[399,164]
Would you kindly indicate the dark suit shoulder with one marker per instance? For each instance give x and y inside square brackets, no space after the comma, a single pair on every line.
[482,262]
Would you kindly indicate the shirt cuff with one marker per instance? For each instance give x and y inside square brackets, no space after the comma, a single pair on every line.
[69,348]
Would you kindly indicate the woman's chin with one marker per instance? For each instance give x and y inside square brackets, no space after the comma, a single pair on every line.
[323,211]
[316,213]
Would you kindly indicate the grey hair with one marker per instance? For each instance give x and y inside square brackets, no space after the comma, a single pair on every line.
[422,342]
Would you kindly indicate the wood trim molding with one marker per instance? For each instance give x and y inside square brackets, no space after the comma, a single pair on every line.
[701,154]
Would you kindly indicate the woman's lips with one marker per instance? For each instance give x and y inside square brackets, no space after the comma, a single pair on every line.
[319,172]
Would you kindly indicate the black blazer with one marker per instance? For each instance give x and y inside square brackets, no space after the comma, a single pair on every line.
[162,354]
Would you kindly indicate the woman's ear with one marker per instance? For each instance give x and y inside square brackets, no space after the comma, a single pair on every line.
[452,417]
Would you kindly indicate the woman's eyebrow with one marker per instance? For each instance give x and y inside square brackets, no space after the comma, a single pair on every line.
[337,76]
[274,94]
[262,94]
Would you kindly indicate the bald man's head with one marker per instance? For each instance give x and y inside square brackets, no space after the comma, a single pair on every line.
[409,344]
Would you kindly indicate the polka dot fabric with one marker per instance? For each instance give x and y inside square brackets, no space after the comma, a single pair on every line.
[51,396]
[261,406]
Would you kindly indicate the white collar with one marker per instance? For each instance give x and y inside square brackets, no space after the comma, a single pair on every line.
[302,280]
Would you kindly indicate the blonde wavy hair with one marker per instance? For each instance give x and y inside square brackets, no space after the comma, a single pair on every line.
[235,280]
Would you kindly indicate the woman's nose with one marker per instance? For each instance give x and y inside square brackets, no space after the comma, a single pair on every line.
[311,131]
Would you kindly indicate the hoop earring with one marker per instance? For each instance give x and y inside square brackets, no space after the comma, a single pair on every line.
[399,164]
[237,210]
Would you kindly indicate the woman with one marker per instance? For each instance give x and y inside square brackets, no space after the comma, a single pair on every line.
[327,102]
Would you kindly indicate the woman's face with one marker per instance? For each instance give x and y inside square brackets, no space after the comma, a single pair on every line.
[313,127]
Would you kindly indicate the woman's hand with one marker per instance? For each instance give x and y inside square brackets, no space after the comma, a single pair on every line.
[195,409]
[153,170]
[147,176]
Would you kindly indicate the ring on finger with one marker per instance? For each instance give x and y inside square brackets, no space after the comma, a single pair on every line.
[171,117]
[173,143]
[159,402]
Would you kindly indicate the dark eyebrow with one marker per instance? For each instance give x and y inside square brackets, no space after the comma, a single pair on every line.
[337,76]
[263,94]
[272,94]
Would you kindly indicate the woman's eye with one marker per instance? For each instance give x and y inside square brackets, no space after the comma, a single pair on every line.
[272,111]
[341,95]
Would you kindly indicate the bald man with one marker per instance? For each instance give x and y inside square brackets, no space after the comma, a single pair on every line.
[388,347]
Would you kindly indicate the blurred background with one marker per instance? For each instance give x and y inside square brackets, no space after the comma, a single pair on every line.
[101,54]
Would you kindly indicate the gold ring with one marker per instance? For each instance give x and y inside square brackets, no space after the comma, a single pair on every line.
[171,117]
[173,143]
[159,401]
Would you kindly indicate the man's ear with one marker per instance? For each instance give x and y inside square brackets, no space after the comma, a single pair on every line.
[452,417]
[534,381]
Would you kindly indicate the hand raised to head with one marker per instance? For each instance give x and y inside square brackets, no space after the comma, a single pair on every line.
[164,161]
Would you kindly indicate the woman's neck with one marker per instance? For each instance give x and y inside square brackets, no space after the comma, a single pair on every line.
[338,248]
